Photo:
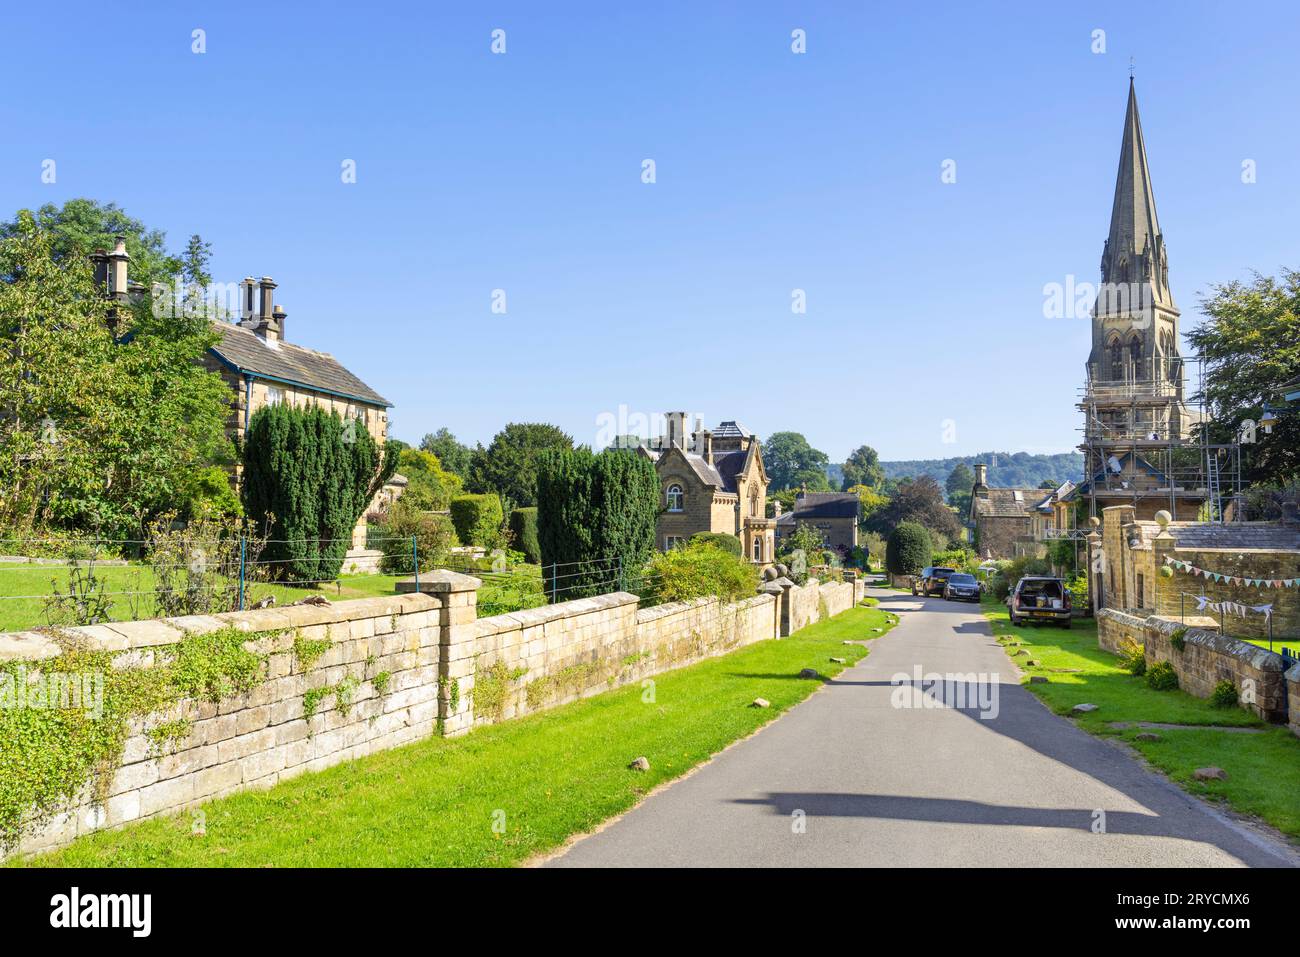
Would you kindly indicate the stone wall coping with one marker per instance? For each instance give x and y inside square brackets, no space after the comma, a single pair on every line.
[531,617]
[1293,675]
[1193,549]
[655,612]
[121,636]
[1261,659]
[439,582]
[1122,617]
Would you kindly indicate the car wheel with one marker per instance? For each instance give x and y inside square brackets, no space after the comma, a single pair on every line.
[1015,621]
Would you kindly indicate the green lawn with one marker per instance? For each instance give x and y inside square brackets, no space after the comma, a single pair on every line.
[1263,769]
[23,589]
[552,775]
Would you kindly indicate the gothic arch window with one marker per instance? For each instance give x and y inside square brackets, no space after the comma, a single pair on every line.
[673,498]
[1116,359]
[1135,354]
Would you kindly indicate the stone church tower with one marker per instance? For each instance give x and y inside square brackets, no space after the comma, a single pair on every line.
[1137,428]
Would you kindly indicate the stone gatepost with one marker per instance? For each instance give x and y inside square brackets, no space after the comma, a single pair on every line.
[780,589]
[458,595]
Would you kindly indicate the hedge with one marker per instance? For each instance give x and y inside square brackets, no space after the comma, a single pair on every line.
[523,530]
[477,518]
[728,543]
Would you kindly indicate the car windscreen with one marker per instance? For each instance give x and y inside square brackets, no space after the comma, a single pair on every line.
[960,579]
[942,572]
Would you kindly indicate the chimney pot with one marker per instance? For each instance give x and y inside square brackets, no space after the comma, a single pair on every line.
[267,309]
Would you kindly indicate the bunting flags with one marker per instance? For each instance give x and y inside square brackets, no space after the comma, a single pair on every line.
[1232,607]
[1232,579]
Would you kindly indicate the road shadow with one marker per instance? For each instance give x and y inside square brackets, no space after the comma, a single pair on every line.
[956,811]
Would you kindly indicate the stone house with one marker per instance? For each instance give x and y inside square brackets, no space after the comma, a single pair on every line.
[1245,564]
[1008,522]
[712,481]
[834,514]
[262,368]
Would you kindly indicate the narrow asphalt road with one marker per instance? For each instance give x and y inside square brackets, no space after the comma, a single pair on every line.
[850,779]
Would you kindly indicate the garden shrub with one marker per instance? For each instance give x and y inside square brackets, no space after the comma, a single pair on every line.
[908,549]
[1133,657]
[477,518]
[523,533]
[699,570]
[728,543]
[1162,677]
[433,533]
[1224,694]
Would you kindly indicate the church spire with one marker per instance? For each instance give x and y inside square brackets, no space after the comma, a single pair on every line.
[1134,254]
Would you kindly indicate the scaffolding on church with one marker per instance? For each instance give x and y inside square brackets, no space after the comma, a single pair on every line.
[1145,444]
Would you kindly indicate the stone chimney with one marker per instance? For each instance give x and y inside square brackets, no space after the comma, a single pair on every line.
[676,430]
[265,324]
[981,475]
[248,302]
[706,445]
[279,316]
[99,260]
[118,261]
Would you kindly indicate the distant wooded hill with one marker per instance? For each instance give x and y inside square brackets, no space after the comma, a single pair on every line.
[1012,468]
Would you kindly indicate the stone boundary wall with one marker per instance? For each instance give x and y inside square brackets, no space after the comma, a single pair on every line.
[1116,627]
[1293,698]
[533,660]
[838,597]
[257,739]
[802,606]
[1206,659]
[443,671]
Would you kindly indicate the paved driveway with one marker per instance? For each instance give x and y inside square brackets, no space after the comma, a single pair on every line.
[849,779]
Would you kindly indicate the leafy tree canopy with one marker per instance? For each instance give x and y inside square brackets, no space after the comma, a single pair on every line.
[454,456]
[862,467]
[919,501]
[107,422]
[509,465]
[1250,340]
[792,462]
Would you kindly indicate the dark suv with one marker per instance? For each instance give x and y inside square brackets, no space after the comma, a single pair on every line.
[931,581]
[961,587]
[1040,599]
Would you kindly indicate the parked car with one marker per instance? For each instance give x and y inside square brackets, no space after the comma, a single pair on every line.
[931,580]
[1040,599]
[961,587]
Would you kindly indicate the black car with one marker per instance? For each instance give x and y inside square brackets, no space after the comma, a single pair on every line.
[961,587]
[1039,598]
[931,581]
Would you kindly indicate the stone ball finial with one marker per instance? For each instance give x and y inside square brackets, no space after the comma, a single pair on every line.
[1163,518]
[1095,522]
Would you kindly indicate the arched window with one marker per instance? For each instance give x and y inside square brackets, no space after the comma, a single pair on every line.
[673,497]
[1116,359]
[1135,354]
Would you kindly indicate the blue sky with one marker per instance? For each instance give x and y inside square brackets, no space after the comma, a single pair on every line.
[775,172]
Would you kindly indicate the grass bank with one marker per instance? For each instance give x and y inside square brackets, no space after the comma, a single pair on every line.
[540,779]
[1263,768]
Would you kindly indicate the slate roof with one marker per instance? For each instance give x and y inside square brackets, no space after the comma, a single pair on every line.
[825,505]
[247,352]
[1267,535]
[1008,502]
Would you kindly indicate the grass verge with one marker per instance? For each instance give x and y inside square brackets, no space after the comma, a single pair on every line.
[1263,769]
[545,777]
